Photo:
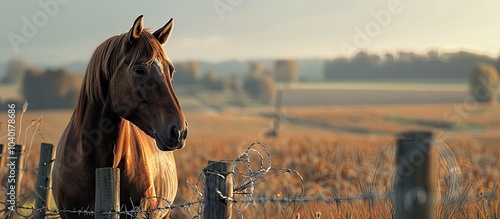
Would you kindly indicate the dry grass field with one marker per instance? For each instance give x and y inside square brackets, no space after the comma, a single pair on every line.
[342,152]
[338,151]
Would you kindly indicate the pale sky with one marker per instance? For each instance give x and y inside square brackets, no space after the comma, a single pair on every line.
[254,29]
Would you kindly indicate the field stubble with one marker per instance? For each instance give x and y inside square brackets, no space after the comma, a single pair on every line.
[333,162]
[343,167]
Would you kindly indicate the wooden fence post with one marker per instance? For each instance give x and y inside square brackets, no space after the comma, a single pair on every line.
[2,155]
[218,178]
[278,111]
[107,193]
[416,176]
[14,175]
[43,180]
[277,116]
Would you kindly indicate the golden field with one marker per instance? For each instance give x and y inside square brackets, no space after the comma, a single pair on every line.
[338,151]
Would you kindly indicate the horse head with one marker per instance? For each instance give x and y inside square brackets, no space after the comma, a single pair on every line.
[140,86]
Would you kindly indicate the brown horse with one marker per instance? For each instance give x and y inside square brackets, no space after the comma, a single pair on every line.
[127,116]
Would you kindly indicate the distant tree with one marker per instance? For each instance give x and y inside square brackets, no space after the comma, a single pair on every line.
[389,58]
[211,82]
[336,68]
[255,69]
[433,55]
[407,56]
[362,65]
[261,88]
[14,71]
[234,84]
[187,72]
[483,83]
[251,86]
[50,89]
[210,76]
[365,58]
[267,90]
[285,71]
[268,72]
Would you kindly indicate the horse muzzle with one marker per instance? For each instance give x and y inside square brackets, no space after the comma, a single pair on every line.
[175,139]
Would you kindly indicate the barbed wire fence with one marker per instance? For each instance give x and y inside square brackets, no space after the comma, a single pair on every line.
[251,168]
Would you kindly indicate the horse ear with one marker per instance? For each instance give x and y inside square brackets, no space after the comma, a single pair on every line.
[163,33]
[136,30]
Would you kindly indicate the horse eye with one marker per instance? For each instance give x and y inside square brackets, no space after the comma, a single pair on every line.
[139,70]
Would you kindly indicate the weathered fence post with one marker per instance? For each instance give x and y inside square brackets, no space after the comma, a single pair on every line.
[14,175]
[218,178]
[43,180]
[278,111]
[416,176]
[278,105]
[107,193]
[2,155]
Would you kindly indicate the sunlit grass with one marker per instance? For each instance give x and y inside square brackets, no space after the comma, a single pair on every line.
[331,164]
[343,167]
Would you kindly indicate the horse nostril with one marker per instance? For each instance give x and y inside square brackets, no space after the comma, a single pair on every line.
[174,133]
[184,134]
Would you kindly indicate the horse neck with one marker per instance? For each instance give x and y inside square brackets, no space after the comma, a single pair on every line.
[98,126]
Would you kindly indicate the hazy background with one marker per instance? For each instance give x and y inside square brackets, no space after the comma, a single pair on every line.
[326,84]
[334,42]
[254,29]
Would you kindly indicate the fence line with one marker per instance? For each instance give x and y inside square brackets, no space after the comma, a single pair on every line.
[321,198]
[339,199]
[251,176]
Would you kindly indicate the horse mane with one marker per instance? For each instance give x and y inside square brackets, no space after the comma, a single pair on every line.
[108,56]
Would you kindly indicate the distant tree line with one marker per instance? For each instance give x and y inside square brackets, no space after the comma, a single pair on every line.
[43,89]
[58,88]
[51,89]
[257,83]
[405,65]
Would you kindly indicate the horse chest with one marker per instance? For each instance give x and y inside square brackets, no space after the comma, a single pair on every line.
[145,171]
[135,181]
